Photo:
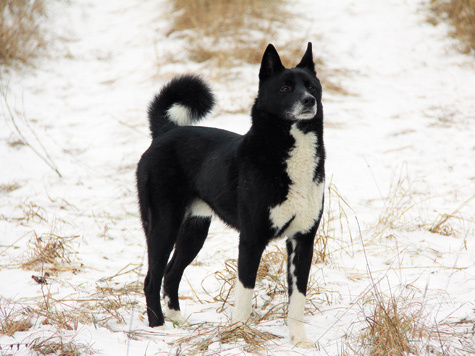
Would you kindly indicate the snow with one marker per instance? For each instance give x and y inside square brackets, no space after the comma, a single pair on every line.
[409,117]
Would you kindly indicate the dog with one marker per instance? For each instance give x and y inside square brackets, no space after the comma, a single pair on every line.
[267,184]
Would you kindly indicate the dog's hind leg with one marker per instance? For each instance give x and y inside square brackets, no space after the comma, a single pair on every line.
[300,251]
[190,240]
[160,240]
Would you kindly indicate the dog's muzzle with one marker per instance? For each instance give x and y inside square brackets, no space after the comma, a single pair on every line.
[304,109]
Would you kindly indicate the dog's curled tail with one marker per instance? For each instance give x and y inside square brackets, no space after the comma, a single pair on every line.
[183,101]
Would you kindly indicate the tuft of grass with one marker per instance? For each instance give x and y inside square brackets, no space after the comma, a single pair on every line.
[444,223]
[51,250]
[393,327]
[12,319]
[402,324]
[203,336]
[461,15]
[57,345]
[21,33]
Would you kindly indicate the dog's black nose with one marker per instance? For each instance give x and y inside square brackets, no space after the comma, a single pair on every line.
[308,101]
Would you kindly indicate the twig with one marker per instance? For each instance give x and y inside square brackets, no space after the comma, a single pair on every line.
[45,157]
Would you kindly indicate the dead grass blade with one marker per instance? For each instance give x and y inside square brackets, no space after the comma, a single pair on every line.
[334,223]
[443,224]
[38,148]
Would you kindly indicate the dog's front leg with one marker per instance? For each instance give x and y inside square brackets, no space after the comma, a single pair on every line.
[248,263]
[300,251]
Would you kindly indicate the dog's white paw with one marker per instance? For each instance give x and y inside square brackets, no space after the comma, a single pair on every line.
[175,316]
[299,339]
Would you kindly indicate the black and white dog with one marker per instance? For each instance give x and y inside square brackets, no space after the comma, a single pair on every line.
[268,183]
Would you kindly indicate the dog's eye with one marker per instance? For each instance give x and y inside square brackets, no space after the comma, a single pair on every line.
[285,89]
[311,87]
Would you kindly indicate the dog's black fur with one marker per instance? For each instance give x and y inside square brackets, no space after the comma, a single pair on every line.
[241,177]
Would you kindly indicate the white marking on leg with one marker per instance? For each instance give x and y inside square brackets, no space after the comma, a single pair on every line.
[180,115]
[295,317]
[304,199]
[243,307]
[293,278]
[172,314]
[295,321]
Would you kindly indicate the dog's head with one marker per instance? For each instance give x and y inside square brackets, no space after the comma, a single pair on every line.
[291,94]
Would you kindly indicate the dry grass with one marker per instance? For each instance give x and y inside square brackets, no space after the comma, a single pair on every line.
[401,324]
[394,326]
[398,202]
[461,15]
[204,336]
[15,317]
[397,212]
[105,305]
[334,223]
[12,319]
[57,345]
[50,251]
[270,276]
[227,31]
[21,33]
[271,291]
[444,224]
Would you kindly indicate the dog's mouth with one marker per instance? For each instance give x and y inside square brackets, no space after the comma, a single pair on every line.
[310,111]
[301,112]
[305,113]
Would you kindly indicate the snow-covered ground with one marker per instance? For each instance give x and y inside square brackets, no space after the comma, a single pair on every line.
[401,153]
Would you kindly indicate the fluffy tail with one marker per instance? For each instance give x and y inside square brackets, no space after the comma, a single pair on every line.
[183,101]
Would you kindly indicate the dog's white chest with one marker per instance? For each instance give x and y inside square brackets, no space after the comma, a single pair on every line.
[304,199]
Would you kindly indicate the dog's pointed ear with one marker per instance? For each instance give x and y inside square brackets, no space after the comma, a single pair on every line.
[271,63]
[307,60]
